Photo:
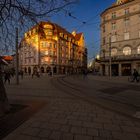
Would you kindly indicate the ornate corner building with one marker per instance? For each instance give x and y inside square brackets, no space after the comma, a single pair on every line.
[49,47]
[120,38]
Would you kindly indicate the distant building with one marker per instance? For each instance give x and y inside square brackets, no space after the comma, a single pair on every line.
[49,47]
[94,65]
[120,38]
[7,62]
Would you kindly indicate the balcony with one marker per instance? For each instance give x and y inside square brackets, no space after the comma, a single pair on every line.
[121,58]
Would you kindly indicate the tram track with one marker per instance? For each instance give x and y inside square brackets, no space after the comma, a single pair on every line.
[120,107]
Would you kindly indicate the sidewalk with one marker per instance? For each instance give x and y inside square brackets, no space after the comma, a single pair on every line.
[65,117]
[115,79]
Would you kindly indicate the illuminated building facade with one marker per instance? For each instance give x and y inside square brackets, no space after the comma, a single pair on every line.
[49,47]
[120,38]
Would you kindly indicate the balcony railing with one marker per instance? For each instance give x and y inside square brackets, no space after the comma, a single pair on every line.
[121,57]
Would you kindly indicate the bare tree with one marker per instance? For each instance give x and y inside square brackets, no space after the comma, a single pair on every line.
[22,14]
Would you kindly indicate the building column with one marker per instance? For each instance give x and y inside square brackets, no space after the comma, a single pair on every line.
[120,69]
[101,70]
[107,70]
[57,68]
[133,66]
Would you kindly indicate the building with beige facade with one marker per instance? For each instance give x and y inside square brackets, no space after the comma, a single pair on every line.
[120,38]
[47,47]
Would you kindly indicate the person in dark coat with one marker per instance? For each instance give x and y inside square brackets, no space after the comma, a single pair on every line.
[135,76]
[7,77]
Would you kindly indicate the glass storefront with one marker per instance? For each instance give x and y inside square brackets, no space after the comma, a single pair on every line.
[126,69]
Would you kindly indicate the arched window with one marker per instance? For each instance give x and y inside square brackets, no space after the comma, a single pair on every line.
[127,51]
[138,49]
[113,52]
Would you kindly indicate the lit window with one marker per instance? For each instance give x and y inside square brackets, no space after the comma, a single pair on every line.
[34,31]
[126,22]
[54,45]
[44,44]
[48,26]
[113,52]
[46,53]
[30,33]
[25,34]
[126,36]
[69,39]
[138,50]
[42,60]
[126,11]
[61,34]
[114,15]
[113,38]
[65,36]
[113,26]
[127,51]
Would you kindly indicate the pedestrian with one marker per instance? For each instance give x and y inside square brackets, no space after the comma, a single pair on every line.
[7,77]
[29,71]
[21,73]
[85,73]
[135,76]
[34,72]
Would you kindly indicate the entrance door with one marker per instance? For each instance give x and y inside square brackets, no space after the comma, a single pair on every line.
[103,70]
[138,69]
[115,69]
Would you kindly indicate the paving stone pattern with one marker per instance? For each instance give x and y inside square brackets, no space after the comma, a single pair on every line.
[65,117]
[73,119]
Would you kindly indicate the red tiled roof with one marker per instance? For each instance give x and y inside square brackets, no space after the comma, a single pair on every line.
[7,58]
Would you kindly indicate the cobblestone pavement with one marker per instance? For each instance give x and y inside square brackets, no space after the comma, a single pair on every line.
[66,117]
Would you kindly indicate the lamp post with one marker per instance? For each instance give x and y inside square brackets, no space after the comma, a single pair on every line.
[17,60]
[110,61]
[52,68]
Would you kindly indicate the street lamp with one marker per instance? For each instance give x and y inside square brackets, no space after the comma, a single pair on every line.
[110,61]
[17,60]
[52,68]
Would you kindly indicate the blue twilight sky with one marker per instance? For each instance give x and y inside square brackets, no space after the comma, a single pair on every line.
[85,11]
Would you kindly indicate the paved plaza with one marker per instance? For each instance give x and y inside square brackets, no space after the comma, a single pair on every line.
[77,108]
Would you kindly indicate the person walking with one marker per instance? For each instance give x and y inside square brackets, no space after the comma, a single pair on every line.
[21,74]
[7,77]
[135,76]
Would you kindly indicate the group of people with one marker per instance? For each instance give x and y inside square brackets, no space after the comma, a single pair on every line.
[8,74]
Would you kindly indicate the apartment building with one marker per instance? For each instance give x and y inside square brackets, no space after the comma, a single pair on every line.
[120,38]
[49,47]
